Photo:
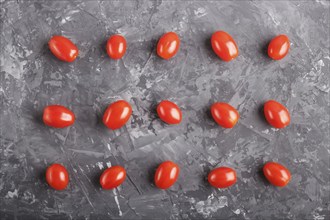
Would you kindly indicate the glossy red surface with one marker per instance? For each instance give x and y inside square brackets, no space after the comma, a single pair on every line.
[168,45]
[277,174]
[166,174]
[58,116]
[224,46]
[57,176]
[63,48]
[117,114]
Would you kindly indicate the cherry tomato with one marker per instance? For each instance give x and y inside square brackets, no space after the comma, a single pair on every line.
[224,46]
[58,116]
[112,177]
[276,114]
[222,177]
[166,174]
[224,114]
[278,47]
[63,48]
[57,176]
[277,174]
[169,112]
[117,114]
[168,45]
[116,46]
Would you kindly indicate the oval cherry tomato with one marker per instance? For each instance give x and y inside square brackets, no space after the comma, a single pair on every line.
[116,46]
[276,114]
[166,174]
[112,177]
[222,177]
[224,46]
[168,45]
[63,48]
[276,174]
[117,114]
[57,176]
[278,47]
[169,112]
[224,114]
[58,116]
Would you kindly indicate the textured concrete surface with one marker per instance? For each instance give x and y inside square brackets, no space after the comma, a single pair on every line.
[31,78]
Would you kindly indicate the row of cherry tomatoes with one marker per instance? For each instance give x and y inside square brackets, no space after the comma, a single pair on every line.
[168,45]
[167,174]
[118,113]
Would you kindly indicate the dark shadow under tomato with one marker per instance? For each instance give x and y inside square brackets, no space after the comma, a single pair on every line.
[153,108]
[261,114]
[206,172]
[103,46]
[99,118]
[151,172]
[95,178]
[37,116]
[46,53]
[261,176]
[41,175]
[208,115]
[208,46]
[264,48]
[154,43]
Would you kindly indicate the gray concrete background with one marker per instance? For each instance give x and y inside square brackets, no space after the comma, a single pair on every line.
[31,78]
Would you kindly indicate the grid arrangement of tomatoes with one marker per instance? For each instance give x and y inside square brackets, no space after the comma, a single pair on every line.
[118,113]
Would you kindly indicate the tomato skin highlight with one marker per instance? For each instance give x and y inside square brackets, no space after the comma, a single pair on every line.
[169,112]
[63,48]
[116,46]
[224,46]
[279,47]
[224,114]
[58,116]
[57,176]
[276,114]
[117,114]
[166,174]
[112,177]
[277,174]
[222,177]
[168,45]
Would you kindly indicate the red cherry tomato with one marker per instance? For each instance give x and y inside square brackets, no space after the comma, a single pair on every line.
[168,45]
[276,114]
[277,174]
[57,176]
[169,112]
[116,46]
[58,116]
[224,46]
[63,48]
[278,47]
[222,177]
[166,174]
[112,177]
[224,114]
[117,114]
